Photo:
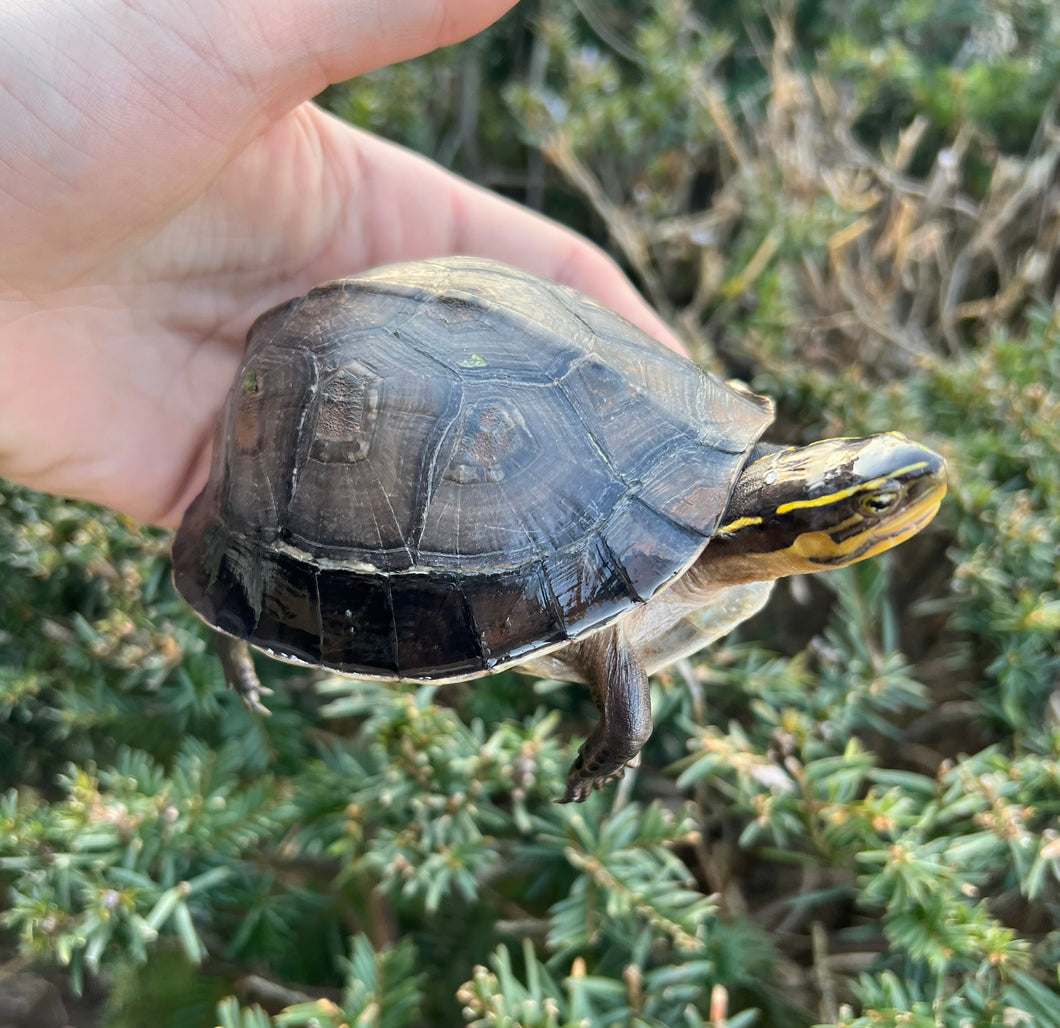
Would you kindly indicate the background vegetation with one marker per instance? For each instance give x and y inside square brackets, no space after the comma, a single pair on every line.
[849,813]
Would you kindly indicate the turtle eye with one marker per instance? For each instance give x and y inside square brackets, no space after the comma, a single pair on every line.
[879,502]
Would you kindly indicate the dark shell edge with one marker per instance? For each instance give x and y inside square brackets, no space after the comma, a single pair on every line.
[417,626]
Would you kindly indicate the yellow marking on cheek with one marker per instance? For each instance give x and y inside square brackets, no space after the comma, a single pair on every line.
[735,526]
[842,494]
[812,546]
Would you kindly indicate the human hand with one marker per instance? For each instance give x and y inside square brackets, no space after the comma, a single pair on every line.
[164,179]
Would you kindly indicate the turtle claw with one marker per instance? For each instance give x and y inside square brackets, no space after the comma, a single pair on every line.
[251,698]
[583,781]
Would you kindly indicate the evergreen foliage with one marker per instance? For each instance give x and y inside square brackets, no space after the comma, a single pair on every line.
[849,814]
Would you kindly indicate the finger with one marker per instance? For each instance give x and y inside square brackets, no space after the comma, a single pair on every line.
[410,207]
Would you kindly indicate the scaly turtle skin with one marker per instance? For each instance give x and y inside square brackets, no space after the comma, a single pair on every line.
[440,469]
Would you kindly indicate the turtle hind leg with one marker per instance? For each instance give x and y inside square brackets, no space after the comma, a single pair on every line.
[619,687]
[238,667]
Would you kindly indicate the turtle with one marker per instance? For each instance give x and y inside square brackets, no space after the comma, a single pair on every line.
[440,469]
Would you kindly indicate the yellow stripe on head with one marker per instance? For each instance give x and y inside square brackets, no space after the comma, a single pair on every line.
[860,487]
[735,526]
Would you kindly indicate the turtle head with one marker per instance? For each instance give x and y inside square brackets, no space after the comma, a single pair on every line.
[837,501]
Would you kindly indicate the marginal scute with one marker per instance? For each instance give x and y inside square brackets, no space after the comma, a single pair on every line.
[443,467]
[589,583]
[289,620]
[513,604]
[436,636]
[649,548]
[357,623]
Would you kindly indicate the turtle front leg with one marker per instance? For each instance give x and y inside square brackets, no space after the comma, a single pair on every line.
[238,668]
[619,688]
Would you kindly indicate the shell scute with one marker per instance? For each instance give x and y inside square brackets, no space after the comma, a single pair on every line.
[288,618]
[358,635]
[506,490]
[690,486]
[650,548]
[589,582]
[514,603]
[436,634]
[262,419]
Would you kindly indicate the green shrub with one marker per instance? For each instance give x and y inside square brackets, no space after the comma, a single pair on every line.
[849,813]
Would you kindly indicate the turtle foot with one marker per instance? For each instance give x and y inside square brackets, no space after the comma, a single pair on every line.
[238,667]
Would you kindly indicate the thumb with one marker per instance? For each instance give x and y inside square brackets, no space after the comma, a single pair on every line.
[313,43]
[119,113]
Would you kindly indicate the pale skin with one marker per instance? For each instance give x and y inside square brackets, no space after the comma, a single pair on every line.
[164,179]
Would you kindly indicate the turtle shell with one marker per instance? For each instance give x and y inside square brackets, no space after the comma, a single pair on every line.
[436,469]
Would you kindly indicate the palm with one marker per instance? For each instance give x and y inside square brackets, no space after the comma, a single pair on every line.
[131,346]
[130,278]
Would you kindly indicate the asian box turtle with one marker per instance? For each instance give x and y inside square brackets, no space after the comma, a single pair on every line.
[439,469]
